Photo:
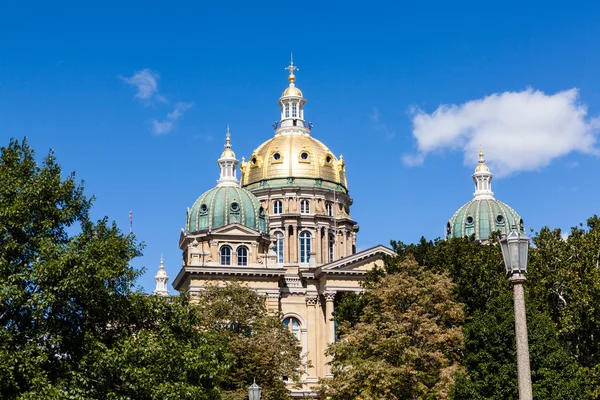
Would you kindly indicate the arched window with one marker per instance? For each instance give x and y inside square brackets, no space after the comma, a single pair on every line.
[304,207]
[293,325]
[277,207]
[287,110]
[329,209]
[294,110]
[304,247]
[331,247]
[225,255]
[242,256]
[279,246]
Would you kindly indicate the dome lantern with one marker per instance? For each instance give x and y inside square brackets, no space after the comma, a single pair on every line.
[228,164]
[161,279]
[292,106]
[483,179]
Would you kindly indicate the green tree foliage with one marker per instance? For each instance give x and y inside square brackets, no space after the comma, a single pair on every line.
[405,343]
[70,326]
[558,271]
[565,277]
[261,347]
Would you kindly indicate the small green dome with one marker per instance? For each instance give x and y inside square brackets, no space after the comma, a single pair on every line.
[224,205]
[482,217]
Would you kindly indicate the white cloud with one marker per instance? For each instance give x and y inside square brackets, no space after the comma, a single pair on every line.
[519,131]
[162,127]
[179,109]
[166,126]
[146,83]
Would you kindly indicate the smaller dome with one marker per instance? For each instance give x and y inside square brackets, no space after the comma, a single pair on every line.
[228,153]
[161,272]
[224,205]
[482,217]
[292,91]
[482,168]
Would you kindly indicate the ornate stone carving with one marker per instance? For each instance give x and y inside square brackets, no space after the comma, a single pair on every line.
[312,299]
[329,295]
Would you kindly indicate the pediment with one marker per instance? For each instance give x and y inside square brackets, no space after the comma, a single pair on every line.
[359,262]
[236,230]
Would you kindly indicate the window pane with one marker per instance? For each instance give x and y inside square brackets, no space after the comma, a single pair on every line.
[242,256]
[225,256]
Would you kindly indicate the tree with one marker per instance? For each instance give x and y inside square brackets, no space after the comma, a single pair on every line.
[261,347]
[565,276]
[406,342]
[480,283]
[490,357]
[70,325]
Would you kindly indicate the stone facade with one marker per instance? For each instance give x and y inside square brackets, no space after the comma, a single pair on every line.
[307,257]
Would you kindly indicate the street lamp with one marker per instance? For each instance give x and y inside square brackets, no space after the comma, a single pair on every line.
[254,391]
[515,247]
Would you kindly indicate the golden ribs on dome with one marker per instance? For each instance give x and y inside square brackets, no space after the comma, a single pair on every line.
[293,156]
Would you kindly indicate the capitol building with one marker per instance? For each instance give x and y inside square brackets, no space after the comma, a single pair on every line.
[281,224]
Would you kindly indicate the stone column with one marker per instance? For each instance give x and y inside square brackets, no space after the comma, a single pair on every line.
[524,372]
[312,299]
[329,298]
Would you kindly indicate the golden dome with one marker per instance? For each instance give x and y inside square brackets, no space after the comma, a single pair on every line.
[293,156]
[292,91]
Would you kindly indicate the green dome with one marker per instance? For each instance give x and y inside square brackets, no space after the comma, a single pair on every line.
[224,205]
[482,217]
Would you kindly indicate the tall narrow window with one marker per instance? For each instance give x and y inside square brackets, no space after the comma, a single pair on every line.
[304,247]
[277,207]
[242,256]
[294,110]
[279,246]
[329,209]
[331,247]
[225,255]
[304,207]
[287,110]
[293,325]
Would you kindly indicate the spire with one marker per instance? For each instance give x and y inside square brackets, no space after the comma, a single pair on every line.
[292,68]
[228,164]
[161,279]
[482,178]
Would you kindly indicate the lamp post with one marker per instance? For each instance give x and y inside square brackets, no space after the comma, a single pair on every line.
[515,247]
[254,391]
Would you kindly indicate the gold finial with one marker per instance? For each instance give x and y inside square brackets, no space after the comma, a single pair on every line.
[481,167]
[292,68]
[162,261]
[228,135]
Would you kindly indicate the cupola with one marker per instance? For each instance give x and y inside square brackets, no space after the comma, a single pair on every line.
[484,214]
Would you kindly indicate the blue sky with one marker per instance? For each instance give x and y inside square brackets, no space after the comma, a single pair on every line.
[405,92]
